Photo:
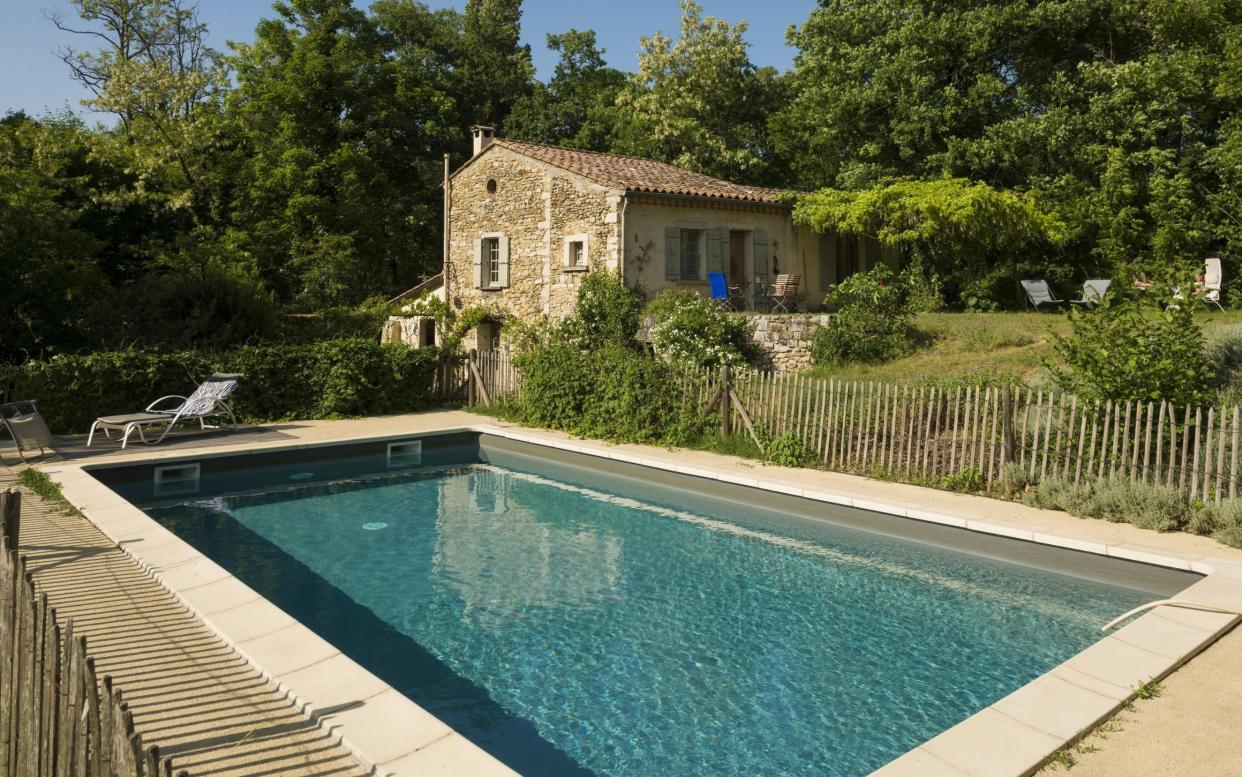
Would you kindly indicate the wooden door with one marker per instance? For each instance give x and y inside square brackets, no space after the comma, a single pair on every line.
[737,257]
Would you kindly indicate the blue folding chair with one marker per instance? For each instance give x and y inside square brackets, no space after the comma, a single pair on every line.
[720,287]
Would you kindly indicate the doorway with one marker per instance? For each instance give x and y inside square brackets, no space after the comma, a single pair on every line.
[737,256]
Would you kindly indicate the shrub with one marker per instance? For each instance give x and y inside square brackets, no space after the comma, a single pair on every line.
[320,380]
[968,481]
[635,398]
[788,450]
[872,322]
[1126,348]
[613,393]
[608,312]
[1142,504]
[690,329]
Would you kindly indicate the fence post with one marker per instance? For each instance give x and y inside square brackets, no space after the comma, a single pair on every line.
[471,357]
[11,516]
[726,410]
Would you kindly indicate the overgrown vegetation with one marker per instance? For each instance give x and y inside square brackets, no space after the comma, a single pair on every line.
[872,323]
[692,330]
[1128,347]
[321,380]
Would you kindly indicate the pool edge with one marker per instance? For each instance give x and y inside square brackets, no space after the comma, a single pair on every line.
[1017,735]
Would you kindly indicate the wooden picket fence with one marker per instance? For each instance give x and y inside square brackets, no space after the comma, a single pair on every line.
[927,433]
[56,718]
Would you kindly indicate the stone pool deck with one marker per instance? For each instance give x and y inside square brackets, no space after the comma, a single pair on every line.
[1013,737]
[190,693]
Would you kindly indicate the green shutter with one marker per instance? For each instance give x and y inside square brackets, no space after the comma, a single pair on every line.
[478,263]
[761,256]
[672,253]
[502,271]
[714,263]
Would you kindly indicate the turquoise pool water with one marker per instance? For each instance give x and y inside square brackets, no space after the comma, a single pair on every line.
[568,629]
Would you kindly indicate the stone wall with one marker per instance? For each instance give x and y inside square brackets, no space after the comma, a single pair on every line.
[783,342]
[536,206]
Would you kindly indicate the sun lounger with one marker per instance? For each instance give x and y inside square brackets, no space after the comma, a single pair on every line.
[207,400]
[25,424]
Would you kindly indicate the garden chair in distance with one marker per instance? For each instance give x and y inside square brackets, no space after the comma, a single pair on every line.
[1213,278]
[1093,292]
[1039,293]
[25,424]
[783,294]
[207,400]
[720,289]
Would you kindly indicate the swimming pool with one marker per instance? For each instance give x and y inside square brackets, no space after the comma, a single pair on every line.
[572,621]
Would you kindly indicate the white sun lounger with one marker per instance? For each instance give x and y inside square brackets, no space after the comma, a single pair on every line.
[207,400]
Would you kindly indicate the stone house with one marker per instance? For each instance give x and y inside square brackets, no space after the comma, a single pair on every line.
[525,221]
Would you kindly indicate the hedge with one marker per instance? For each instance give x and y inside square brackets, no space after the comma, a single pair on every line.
[351,377]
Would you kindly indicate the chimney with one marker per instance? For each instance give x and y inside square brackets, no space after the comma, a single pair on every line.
[482,137]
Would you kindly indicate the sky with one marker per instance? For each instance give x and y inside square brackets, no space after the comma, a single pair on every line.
[35,80]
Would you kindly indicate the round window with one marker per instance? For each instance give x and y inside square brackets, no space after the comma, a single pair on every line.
[491,185]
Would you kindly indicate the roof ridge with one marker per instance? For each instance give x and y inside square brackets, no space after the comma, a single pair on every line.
[645,160]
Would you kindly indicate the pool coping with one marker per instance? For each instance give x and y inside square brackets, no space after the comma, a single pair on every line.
[392,735]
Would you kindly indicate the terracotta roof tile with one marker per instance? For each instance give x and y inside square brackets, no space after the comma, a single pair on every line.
[639,175]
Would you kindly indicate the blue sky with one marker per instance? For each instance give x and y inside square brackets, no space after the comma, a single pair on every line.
[36,80]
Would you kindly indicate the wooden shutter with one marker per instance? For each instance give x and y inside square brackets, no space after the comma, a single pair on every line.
[478,263]
[502,273]
[726,256]
[761,255]
[672,253]
[714,263]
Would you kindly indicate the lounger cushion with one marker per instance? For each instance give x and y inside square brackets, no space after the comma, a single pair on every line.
[132,418]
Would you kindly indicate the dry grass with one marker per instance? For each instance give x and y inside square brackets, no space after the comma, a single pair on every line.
[967,344]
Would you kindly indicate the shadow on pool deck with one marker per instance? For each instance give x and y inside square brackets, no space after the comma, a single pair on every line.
[357,632]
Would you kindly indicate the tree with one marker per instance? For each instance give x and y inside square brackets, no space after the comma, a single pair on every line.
[341,121]
[496,69]
[1113,114]
[156,73]
[577,107]
[50,275]
[700,103]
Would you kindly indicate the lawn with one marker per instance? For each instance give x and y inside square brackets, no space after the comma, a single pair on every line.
[960,344]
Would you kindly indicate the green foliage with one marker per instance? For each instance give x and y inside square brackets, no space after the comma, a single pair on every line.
[700,103]
[1148,690]
[1145,505]
[955,227]
[321,380]
[692,330]
[577,108]
[788,450]
[872,322]
[1126,348]
[611,393]
[968,480]
[608,312]
[41,484]
[452,325]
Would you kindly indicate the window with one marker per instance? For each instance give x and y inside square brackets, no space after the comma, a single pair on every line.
[690,239]
[491,185]
[491,260]
[575,252]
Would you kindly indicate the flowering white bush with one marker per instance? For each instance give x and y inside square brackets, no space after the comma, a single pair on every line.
[692,330]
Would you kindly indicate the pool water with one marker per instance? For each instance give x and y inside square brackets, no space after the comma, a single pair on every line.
[572,630]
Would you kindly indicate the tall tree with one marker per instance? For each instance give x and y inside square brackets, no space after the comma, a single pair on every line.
[700,103]
[342,118]
[577,107]
[496,68]
[1112,111]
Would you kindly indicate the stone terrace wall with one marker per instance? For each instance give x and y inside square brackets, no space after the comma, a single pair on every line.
[783,342]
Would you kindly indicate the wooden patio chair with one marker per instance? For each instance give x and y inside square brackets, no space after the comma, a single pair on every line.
[783,294]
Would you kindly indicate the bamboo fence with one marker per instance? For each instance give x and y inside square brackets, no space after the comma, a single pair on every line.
[927,432]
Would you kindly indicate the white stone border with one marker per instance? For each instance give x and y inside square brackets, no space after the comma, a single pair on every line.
[387,731]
